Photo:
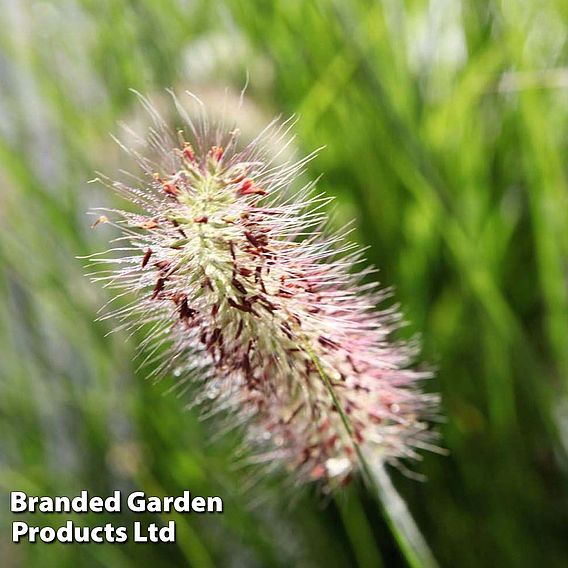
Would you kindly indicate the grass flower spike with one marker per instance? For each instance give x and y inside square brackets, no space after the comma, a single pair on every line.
[240,278]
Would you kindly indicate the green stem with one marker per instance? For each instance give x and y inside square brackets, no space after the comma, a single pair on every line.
[398,518]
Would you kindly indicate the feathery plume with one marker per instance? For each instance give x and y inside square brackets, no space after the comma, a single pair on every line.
[239,276]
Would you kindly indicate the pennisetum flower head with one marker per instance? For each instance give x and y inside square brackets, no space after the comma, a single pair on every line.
[238,275]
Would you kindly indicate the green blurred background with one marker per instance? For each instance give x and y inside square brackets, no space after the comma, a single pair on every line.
[446,133]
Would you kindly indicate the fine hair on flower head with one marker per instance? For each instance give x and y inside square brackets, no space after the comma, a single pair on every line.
[235,271]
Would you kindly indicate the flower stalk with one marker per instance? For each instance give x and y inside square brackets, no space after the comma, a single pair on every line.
[412,544]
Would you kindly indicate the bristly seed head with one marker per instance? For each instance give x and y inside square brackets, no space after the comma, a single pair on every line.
[251,294]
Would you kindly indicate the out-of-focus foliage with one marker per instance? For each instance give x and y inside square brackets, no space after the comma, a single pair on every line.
[446,133]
